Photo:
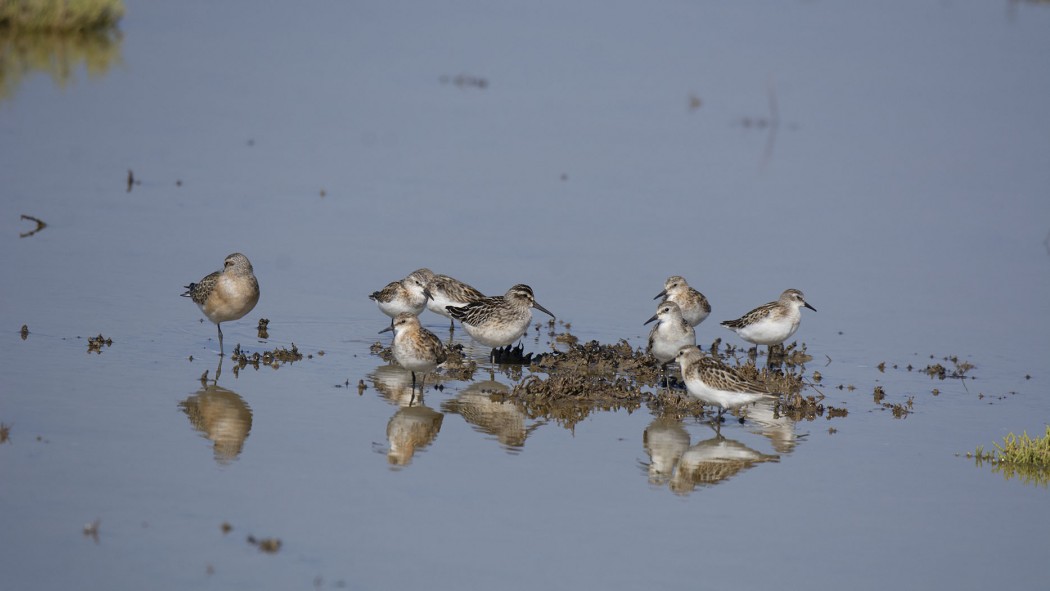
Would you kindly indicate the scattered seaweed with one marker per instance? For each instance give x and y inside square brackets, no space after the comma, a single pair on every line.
[900,410]
[268,545]
[879,394]
[95,344]
[798,408]
[457,365]
[5,433]
[264,325]
[592,376]
[275,358]
[24,333]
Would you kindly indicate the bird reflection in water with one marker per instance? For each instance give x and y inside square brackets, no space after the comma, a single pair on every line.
[715,460]
[221,416]
[414,426]
[665,440]
[763,419]
[500,418]
[394,383]
[684,467]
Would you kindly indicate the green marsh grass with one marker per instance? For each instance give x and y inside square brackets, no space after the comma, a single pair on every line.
[60,15]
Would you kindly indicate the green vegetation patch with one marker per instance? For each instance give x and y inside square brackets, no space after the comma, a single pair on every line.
[1024,457]
[60,15]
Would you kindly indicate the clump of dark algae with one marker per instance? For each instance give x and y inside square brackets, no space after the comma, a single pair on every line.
[263,328]
[95,344]
[275,358]
[578,378]
[583,378]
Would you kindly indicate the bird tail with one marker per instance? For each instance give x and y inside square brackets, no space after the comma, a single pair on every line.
[189,290]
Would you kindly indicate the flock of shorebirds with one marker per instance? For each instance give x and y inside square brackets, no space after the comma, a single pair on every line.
[498,321]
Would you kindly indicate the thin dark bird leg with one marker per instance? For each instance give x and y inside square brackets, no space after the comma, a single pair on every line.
[221,352]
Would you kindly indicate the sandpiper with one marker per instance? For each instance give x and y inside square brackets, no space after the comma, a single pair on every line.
[772,323]
[405,295]
[499,320]
[228,294]
[670,333]
[443,291]
[415,348]
[714,382]
[695,307]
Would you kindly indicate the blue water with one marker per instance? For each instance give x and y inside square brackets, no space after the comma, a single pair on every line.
[900,182]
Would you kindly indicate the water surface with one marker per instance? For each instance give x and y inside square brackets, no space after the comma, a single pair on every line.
[589,151]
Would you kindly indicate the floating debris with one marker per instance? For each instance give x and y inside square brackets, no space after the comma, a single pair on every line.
[40,225]
[25,331]
[464,81]
[694,102]
[837,412]
[226,527]
[91,529]
[383,352]
[879,394]
[804,408]
[5,433]
[95,343]
[274,358]
[268,545]
[264,324]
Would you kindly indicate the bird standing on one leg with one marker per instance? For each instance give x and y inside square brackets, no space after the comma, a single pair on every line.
[228,294]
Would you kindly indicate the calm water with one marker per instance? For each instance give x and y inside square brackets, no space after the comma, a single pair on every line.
[889,160]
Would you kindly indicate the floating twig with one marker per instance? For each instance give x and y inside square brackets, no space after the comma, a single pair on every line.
[40,225]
